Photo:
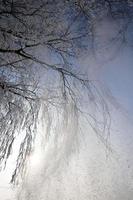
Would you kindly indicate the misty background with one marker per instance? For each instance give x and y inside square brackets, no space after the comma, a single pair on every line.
[82,167]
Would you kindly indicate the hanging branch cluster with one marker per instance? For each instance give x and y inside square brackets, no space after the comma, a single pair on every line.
[27,29]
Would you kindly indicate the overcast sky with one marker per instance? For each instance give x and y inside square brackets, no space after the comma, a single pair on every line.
[119,78]
[89,175]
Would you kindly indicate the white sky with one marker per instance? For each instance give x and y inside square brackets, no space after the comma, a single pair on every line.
[89,175]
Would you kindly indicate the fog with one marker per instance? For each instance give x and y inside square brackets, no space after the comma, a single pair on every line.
[73,163]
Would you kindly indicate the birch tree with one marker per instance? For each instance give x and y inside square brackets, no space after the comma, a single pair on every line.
[47,37]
